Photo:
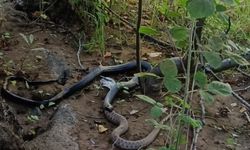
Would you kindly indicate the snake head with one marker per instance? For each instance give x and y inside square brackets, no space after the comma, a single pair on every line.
[107,82]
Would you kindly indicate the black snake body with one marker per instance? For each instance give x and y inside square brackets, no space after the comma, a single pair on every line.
[68,91]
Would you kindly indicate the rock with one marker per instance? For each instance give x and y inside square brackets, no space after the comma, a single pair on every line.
[58,137]
[9,129]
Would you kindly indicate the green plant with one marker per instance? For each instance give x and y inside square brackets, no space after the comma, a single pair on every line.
[94,19]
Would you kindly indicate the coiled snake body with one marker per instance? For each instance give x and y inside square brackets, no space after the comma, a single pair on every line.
[120,120]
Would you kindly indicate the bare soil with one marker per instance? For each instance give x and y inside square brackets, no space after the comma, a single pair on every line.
[73,123]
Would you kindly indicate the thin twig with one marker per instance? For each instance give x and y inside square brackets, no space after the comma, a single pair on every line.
[247,116]
[79,52]
[238,97]
[196,132]
[244,73]
[242,89]
[195,138]
[203,111]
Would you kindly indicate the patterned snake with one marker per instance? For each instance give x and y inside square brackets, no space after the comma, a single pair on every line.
[120,120]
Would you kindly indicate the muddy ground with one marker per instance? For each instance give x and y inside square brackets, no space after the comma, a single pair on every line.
[73,123]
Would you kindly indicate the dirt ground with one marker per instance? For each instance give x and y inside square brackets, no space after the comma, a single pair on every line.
[73,123]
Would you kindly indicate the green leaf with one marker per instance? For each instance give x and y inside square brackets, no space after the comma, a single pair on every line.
[163,148]
[163,7]
[156,111]
[179,33]
[159,104]
[220,8]
[146,99]
[216,43]
[201,79]
[148,30]
[213,58]
[200,8]
[172,84]
[209,98]
[229,2]
[168,68]
[220,88]
[190,121]
[237,58]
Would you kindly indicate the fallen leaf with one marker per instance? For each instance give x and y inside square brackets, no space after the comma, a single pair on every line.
[133,112]
[235,135]
[51,104]
[155,54]
[243,109]
[39,57]
[107,54]
[27,85]
[234,104]
[102,129]
[40,91]
[13,83]
[42,106]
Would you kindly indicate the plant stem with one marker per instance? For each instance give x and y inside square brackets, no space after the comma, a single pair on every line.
[187,83]
[138,36]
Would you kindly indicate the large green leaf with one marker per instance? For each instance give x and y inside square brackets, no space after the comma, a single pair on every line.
[220,88]
[200,8]
[172,84]
[168,68]
[213,58]
[156,111]
[201,79]
[179,33]
[209,98]
[220,8]
[148,30]
[216,43]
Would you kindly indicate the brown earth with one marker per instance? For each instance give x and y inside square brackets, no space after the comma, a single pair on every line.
[73,124]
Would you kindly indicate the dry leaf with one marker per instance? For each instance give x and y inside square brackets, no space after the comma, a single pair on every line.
[133,112]
[155,54]
[234,104]
[13,83]
[102,129]
[107,54]
[243,109]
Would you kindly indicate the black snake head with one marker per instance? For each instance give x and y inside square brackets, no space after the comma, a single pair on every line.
[107,82]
